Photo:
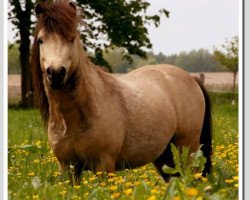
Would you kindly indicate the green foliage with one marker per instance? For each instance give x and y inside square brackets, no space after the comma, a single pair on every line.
[183,166]
[194,61]
[228,56]
[222,98]
[115,57]
[13,59]
[118,23]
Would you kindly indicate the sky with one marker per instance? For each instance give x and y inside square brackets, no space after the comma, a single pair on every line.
[192,24]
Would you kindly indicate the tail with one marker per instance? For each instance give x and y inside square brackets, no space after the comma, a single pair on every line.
[206,133]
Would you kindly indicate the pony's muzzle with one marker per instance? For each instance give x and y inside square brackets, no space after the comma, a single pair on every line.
[56,77]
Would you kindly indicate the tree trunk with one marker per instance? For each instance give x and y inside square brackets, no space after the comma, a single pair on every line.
[26,85]
[24,25]
[234,83]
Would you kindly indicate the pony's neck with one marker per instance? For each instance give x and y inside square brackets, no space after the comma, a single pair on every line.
[84,98]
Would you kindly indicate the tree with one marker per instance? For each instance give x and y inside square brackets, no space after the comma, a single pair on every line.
[107,23]
[117,23]
[114,56]
[20,16]
[229,57]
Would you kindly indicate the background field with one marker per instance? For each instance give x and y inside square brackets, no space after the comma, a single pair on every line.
[33,172]
[214,81]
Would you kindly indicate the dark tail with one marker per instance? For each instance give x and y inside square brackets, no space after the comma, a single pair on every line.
[206,133]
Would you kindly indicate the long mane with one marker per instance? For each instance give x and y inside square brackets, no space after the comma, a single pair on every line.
[61,18]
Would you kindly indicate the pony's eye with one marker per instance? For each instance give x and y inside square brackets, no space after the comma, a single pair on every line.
[72,40]
[39,41]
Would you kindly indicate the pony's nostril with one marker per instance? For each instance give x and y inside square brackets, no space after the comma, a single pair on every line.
[49,72]
[62,72]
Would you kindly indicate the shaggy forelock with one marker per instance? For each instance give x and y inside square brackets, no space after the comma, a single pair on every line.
[59,17]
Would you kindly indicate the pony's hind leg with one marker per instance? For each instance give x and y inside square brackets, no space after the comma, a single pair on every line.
[166,158]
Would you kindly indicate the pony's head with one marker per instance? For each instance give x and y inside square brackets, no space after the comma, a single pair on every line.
[57,40]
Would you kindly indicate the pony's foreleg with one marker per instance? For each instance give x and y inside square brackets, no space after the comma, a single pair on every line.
[106,163]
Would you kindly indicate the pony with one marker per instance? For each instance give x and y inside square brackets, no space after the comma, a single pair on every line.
[96,121]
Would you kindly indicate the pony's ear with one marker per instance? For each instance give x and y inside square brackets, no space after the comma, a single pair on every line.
[39,9]
[72,5]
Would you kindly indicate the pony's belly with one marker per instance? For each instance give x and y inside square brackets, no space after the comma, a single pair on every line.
[141,150]
[137,159]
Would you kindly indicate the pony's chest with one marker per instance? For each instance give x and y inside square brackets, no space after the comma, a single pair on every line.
[61,140]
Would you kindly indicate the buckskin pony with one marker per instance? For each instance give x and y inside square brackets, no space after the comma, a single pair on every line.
[99,122]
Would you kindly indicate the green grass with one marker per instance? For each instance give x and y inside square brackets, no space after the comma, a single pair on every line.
[33,172]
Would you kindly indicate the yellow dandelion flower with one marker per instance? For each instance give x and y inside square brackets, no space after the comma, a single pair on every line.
[35,197]
[77,186]
[85,182]
[98,173]
[236,178]
[128,191]
[31,174]
[204,179]
[198,175]
[36,161]
[86,194]
[120,180]
[63,192]
[199,198]
[144,176]
[111,174]
[113,188]
[115,195]
[128,184]
[92,178]
[236,185]
[102,184]
[176,198]
[193,192]
[229,180]
[76,198]
[56,174]
[154,191]
[137,183]
[152,198]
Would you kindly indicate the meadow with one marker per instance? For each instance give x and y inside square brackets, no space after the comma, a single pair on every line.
[33,172]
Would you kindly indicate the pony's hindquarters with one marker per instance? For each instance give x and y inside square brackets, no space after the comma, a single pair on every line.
[181,114]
